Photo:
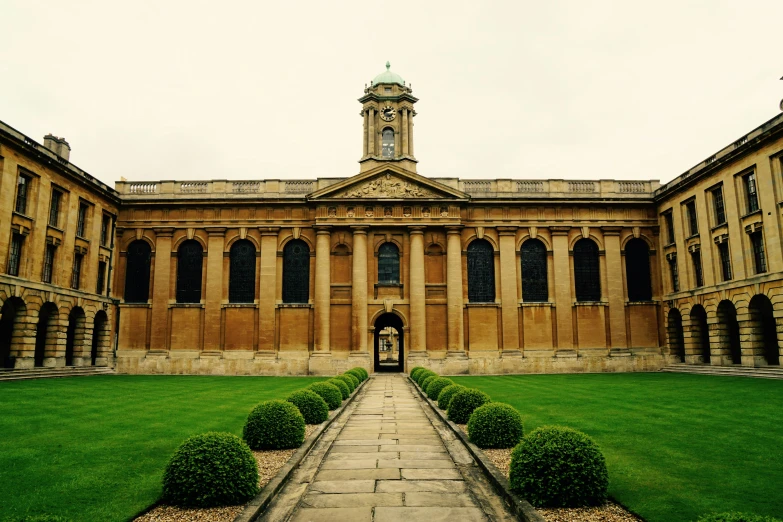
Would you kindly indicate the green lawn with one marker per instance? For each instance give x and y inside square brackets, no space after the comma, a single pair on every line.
[94,448]
[676,446]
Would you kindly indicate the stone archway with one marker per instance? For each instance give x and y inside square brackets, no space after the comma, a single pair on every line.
[75,334]
[728,333]
[12,309]
[763,333]
[675,334]
[389,343]
[46,336]
[100,340]
[700,337]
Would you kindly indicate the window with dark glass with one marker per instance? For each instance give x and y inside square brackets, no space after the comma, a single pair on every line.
[637,270]
[751,192]
[387,143]
[15,254]
[587,274]
[534,272]
[76,274]
[725,260]
[388,264]
[137,272]
[759,259]
[101,277]
[242,272]
[48,266]
[481,272]
[190,260]
[105,230]
[669,227]
[717,201]
[54,208]
[690,208]
[675,273]
[697,271]
[81,220]
[22,193]
[296,272]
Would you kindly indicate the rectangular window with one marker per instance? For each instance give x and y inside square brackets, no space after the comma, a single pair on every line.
[22,193]
[81,220]
[15,254]
[101,277]
[48,266]
[696,257]
[77,270]
[751,191]
[54,208]
[669,227]
[105,230]
[717,201]
[674,274]
[725,260]
[759,259]
[690,208]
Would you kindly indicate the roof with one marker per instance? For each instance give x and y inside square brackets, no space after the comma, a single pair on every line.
[388,77]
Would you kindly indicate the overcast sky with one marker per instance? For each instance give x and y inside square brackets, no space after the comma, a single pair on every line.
[176,89]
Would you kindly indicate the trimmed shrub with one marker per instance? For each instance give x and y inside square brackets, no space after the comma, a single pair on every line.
[349,380]
[446,394]
[364,373]
[274,424]
[737,517]
[559,467]
[415,370]
[329,392]
[356,373]
[464,402]
[212,469]
[427,380]
[495,425]
[345,391]
[311,405]
[435,387]
[354,379]
[423,375]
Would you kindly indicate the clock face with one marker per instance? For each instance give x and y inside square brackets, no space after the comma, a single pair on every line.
[388,113]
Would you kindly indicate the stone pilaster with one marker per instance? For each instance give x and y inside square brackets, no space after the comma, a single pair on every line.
[159,338]
[267,289]
[214,289]
[371,132]
[418,318]
[508,289]
[404,132]
[614,290]
[359,320]
[366,131]
[322,289]
[454,293]
[563,299]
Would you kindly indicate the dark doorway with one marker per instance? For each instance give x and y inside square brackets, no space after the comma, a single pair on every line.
[765,336]
[729,331]
[389,344]
[700,333]
[47,319]
[10,313]
[676,337]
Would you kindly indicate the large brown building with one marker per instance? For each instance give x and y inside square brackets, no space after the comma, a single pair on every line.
[389,269]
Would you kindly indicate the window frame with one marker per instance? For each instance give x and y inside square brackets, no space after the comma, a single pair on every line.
[242,279]
[750,184]
[534,259]
[296,273]
[759,256]
[81,220]
[481,271]
[718,205]
[674,273]
[692,217]
[638,291]
[698,271]
[76,271]
[101,279]
[587,278]
[389,264]
[55,201]
[668,219]
[15,249]
[22,193]
[105,229]
[724,258]
[388,145]
[189,284]
[142,268]
[47,274]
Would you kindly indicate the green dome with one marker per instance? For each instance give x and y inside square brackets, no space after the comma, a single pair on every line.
[388,77]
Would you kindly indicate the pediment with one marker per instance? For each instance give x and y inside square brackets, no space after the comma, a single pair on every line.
[388,183]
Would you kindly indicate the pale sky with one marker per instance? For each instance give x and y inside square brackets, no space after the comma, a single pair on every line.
[183,90]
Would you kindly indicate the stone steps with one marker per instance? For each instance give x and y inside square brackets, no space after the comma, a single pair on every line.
[48,373]
[734,371]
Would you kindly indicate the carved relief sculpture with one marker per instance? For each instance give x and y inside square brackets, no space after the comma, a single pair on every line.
[387,186]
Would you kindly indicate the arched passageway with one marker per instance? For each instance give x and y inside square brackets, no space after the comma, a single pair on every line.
[75,335]
[100,338]
[45,334]
[675,334]
[728,333]
[389,344]
[12,309]
[763,334]
[700,335]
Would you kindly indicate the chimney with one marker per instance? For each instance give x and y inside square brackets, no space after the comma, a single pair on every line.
[58,145]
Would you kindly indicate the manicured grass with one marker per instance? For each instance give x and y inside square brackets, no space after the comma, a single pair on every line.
[677,446]
[94,448]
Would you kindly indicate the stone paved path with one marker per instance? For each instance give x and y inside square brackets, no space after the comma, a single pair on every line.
[388,458]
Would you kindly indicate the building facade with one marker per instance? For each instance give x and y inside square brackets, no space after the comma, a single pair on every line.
[466,276]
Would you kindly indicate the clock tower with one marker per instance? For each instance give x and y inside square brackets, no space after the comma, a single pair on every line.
[387,109]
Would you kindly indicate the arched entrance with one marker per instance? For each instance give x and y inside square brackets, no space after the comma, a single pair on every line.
[8,319]
[75,335]
[675,334]
[700,335]
[99,337]
[389,343]
[45,333]
[764,337]
[728,332]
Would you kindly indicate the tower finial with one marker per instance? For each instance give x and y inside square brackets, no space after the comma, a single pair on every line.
[388,65]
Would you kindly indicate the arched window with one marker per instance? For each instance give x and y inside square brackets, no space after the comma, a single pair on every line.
[387,143]
[137,272]
[388,264]
[190,259]
[637,270]
[587,275]
[534,274]
[296,272]
[481,272]
[242,272]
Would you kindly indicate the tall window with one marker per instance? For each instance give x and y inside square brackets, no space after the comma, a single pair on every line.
[48,266]
[637,270]
[76,274]
[15,254]
[387,143]
[674,272]
[296,272]
[697,271]
[759,259]
[105,229]
[101,277]
[242,272]
[669,227]
[534,273]
[388,264]
[717,202]
[54,208]
[751,192]
[190,260]
[725,260]
[693,223]
[137,272]
[587,274]
[481,272]
[81,220]
[22,193]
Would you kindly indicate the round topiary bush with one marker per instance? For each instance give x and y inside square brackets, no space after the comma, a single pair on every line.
[213,469]
[345,391]
[464,402]
[329,392]
[349,380]
[274,424]
[356,373]
[423,375]
[415,370]
[354,379]
[737,517]
[436,386]
[495,425]
[559,467]
[364,373]
[427,380]
[311,405]
[444,399]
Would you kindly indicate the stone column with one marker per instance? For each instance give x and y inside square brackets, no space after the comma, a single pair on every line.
[359,292]
[267,289]
[366,130]
[563,299]
[454,298]
[405,132]
[371,133]
[508,289]
[214,289]
[410,133]
[418,319]
[23,338]
[322,289]
[614,288]
[161,291]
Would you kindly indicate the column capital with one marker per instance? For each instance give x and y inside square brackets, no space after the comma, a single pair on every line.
[507,231]
[560,231]
[269,231]
[416,230]
[323,230]
[453,229]
[164,231]
[360,230]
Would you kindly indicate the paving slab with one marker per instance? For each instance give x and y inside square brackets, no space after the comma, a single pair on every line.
[363,514]
[319,500]
[349,486]
[430,514]
[405,486]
